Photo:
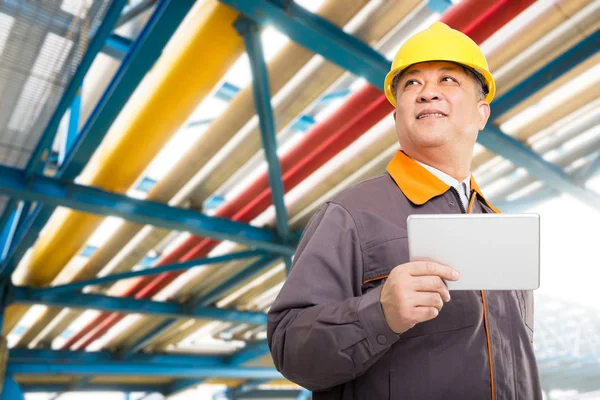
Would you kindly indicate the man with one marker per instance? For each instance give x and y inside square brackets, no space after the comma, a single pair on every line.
[355,319]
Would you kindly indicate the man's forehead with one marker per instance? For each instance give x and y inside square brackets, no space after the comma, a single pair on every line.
[434,65]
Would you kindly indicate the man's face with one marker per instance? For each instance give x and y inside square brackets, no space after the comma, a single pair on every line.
[438,106]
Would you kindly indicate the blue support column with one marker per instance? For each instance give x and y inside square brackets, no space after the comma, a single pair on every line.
[288,264]
[144,52]
[318,35]
[8,231]
[73,130]
[11,390]
[13,228]
[117,46]
[305,394]
[133,12]
[262,101]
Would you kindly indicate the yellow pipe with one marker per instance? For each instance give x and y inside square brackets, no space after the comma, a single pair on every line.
[192,63]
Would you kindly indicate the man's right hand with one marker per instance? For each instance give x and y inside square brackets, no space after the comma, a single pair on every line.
[415,292]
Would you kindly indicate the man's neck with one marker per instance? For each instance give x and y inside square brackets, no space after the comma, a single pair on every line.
[454,167]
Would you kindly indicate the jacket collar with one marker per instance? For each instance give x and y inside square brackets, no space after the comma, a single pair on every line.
[417,183]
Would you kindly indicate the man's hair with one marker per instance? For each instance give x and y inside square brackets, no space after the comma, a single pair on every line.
[480,84]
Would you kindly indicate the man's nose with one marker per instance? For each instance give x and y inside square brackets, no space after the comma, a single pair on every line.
[429,93]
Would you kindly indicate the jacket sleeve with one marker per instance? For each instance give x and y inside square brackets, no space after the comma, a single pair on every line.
[322,330]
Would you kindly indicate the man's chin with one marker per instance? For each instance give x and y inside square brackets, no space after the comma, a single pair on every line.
[432,141]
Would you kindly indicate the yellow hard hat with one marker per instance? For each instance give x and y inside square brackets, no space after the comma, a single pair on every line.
[440,43]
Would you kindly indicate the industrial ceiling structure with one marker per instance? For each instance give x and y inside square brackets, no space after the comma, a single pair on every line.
[160,159]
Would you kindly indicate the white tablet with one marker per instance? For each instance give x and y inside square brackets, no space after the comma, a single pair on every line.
[491,251]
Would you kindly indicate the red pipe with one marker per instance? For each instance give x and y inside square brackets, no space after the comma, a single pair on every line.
[461,15]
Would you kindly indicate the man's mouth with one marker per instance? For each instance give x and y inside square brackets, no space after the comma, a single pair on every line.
[430,114]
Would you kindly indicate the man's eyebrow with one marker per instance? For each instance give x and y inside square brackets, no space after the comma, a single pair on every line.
[418,71]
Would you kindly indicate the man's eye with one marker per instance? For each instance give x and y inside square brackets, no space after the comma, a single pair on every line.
[448,79]
[410,82]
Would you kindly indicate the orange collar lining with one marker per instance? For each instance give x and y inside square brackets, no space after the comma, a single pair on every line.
[417,183]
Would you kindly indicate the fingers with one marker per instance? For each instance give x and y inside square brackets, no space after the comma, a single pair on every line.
[428,299]
[431,284]
[422,314]
[424,268]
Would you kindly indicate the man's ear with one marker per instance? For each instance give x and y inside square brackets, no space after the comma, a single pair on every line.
[483,109]
[394,115]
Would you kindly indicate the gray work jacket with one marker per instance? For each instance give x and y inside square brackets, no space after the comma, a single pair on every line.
[327,331]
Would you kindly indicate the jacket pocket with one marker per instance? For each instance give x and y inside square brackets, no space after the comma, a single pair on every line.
[457,314]
[381,258]
[444,358]
[525,299]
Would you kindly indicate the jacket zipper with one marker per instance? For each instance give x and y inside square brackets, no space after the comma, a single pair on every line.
[485,317]
[460,204]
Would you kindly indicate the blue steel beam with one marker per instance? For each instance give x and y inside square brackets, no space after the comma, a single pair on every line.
[133,12]
[250,352]
[69,287]
[8,230]
[591,170]
[304,394]
[269,394]
[318,35]
[7,215]
[80,356]
[21,219]
[129,368]
[53,192]
[92,387]
[73,130]
[522,156]
[262,101]
[201,303]
[117,46]
[551,71]
[143,54]
[545,193]
[125,305]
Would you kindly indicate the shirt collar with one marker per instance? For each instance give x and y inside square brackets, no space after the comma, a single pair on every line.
[447,179]
[420,185]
